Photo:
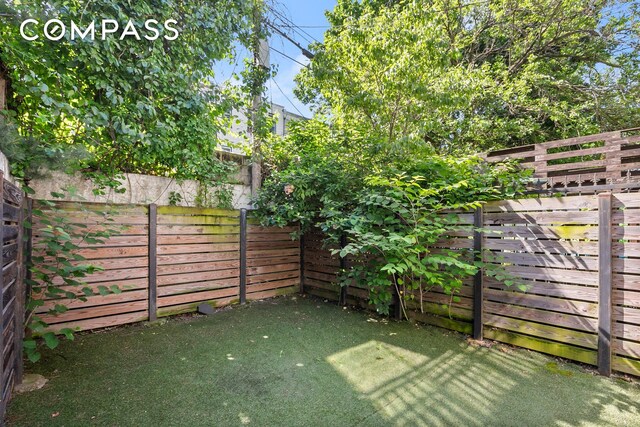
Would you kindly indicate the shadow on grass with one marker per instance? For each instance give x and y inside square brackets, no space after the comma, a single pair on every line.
[301,362]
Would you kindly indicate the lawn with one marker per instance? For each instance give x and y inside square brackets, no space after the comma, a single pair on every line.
[296,361]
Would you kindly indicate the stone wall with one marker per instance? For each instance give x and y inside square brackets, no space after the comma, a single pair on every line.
[140,189]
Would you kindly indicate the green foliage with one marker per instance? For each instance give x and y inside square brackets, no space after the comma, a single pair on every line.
[137,106]
[57,269]
[30,158]
[389,208]
[174,198]
[462,76]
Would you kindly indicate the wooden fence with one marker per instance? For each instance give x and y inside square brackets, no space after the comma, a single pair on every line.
[169,260]
[578,258]
[12,289]
[604,161]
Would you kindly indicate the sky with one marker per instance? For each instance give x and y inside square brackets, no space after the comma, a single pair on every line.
[309,16]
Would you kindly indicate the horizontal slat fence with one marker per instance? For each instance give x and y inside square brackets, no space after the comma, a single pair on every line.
[273,261]
[457,315]
[321,270]
[198,258]
[582,164]
[122,256]
[12,288]
[552,248]
[626,283]
[168,260]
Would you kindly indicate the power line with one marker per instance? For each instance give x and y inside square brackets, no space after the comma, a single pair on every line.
[287,56]
[289,23]
[307,26]
[305,52]
[287,98]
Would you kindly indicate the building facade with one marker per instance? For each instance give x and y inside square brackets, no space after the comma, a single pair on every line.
[237,142]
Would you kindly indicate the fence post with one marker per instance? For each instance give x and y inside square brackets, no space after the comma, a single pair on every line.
[604,283]
[478,294]
[243,256]
[343,266]
[153,262]
[301,263]
[21,296]
[3,404]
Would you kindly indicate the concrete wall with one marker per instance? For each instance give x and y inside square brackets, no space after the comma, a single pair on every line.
[4,167]
[140,189]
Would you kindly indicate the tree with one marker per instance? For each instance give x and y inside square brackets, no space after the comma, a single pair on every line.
[468,75]
[137,105]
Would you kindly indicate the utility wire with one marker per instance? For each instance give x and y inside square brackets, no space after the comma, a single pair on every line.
[287,56]
[291,24]
[287,98]
[305,52]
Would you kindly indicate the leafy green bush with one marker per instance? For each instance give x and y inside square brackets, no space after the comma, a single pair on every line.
[392,209]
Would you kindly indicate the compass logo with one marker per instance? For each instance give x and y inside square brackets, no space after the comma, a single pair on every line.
[55,30]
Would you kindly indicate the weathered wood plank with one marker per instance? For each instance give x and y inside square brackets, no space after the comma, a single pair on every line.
[197,257]
[544,232]
[554,333]
[183,288]
[626,348]
[100,322]
[580,323]
[197,267]
[542,204]
[178,249]
[272,268]
[543,345]
[195,220]
[570,292]
[272,293]
[626,331]
[193,306]
[266,253]
[443,322]
[12,194]
[252,246]
[272,285]
[172,239]
[625,200]
[199,229]
[542,302]
[272,276]
[542,218]
[270,237]
[10,232]
[579,277]
[325,277]
[94,301]
[259,229]
[95,312]
[111,275]
[258,262]
[544,260]
[197,277]
[165,301]
[191,211]
[627,315]
[548,246]
[628,366]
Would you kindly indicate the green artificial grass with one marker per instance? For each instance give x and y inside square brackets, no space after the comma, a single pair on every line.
[303,362]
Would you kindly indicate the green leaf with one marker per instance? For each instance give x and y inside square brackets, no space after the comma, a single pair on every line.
[51,340]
